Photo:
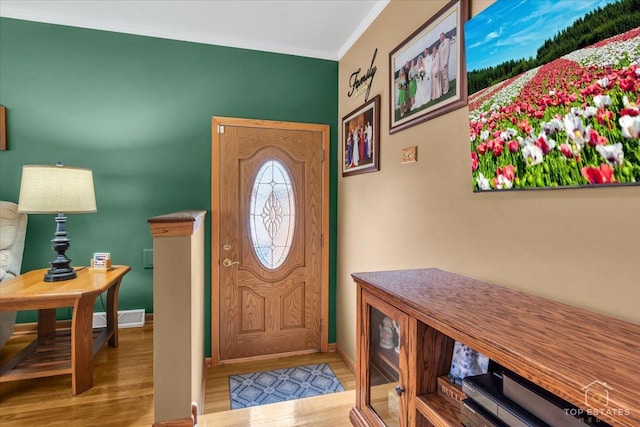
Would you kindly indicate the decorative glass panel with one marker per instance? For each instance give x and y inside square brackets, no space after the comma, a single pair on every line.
[272,214]
[384,371]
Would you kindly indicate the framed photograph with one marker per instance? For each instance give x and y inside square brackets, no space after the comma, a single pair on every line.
[466,362]
[427,75]
[361,139]
[558,108]
[101,261]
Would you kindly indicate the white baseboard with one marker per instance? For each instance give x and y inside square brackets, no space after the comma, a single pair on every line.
[126,319]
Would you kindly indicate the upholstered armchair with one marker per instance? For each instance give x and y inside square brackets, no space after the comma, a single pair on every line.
[13,227]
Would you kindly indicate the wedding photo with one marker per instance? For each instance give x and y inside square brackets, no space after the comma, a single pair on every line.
[361,141]
[427,70]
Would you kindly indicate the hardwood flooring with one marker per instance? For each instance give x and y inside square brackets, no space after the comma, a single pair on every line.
[122,394]
[331,410]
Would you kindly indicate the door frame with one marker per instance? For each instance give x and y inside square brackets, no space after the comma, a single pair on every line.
[217,121]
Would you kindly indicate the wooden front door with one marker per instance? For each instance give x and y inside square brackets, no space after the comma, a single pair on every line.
[268,245]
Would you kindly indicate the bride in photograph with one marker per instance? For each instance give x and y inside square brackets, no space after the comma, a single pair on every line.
[423,95]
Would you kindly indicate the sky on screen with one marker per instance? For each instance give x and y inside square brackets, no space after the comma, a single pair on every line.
[510,29]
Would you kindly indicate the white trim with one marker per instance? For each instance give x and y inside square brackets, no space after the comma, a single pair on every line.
[16,13]
[366,22]
[9,11]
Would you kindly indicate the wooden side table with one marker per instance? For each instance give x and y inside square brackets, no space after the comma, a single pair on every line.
[64,351]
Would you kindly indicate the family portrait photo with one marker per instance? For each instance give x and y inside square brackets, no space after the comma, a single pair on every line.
[427,70]
[361,139]
[553,94]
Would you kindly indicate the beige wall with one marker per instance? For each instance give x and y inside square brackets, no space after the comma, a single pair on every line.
[579,246]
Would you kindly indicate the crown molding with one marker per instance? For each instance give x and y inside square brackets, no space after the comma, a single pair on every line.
[14,11]
[379,7]
[9,11]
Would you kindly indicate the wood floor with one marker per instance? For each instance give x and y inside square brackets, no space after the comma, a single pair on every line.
[122,394]
[331,410]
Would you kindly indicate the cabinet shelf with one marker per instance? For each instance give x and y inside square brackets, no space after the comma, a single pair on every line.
[390,357]
[383,360]
[438,411]
[379,376]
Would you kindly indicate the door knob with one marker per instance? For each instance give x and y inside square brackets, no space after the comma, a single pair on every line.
[228,263]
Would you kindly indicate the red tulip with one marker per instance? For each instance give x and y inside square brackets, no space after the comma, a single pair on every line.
[566,150]
[596,139]
[601,175]
[508,172]
[524,126]
[538,114]
[605,117]
[513,146]
[626,84]
[543,144]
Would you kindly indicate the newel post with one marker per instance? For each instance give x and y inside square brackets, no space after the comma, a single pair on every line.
[178,315]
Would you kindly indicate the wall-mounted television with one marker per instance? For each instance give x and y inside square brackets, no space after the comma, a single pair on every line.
[554,94]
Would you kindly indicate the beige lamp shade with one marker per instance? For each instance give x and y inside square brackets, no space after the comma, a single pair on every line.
[56,189]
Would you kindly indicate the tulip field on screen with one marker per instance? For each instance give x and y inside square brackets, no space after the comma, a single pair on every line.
[574,121]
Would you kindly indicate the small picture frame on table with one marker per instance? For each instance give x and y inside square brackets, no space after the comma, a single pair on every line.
[101,261]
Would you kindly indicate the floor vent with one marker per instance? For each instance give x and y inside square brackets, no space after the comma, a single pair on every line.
[126,319]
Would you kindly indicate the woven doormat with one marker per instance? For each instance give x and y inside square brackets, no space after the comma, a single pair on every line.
[261,388]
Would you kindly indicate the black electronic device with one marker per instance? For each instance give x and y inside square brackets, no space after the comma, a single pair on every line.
[486,390]
[545,405]
[473,414]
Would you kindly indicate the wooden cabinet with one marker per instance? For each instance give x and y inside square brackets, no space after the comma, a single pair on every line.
[382,385]
[585,358]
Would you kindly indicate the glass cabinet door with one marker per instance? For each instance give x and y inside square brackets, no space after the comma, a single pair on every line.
[385,356]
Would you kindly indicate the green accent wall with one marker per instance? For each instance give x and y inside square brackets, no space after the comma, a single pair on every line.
[137,111]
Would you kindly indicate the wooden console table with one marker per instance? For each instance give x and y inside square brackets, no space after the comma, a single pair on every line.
[585,358]
[57,352]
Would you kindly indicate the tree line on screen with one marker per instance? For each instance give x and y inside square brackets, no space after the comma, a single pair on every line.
[601,23]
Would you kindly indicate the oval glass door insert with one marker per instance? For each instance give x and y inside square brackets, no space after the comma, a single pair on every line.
[272,214]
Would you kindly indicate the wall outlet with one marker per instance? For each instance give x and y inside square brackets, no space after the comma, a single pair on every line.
[147,258]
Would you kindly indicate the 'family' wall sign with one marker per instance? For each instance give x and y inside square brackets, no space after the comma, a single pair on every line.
[359,84]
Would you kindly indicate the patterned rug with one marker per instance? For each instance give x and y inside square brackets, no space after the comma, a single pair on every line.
[265,387]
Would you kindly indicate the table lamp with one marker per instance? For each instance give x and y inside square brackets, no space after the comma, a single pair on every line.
[49,189]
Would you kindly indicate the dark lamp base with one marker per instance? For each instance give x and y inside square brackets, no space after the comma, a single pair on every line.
[61,264]
[59,276]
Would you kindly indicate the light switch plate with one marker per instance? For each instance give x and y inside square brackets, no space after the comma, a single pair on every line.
[147,258]
[409,155]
